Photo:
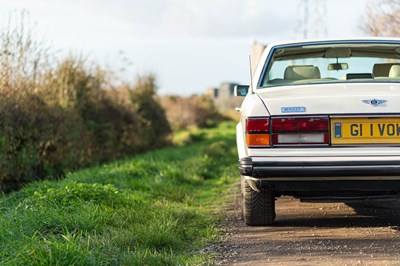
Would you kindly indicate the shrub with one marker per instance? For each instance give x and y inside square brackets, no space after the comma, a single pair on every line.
[56,117]
[37,140]
[154,125]
[194,111]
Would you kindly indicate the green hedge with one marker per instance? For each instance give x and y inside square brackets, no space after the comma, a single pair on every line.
[42,137]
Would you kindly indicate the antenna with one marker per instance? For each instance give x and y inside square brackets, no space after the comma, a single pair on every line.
[251,76]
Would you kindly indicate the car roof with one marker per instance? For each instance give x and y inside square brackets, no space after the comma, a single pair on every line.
[329,41]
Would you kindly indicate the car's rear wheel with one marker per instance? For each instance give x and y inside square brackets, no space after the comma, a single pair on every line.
[258,208]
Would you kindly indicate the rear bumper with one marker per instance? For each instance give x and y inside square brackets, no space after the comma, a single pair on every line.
[333,170]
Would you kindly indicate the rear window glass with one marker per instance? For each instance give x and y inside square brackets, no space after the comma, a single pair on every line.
[330,64]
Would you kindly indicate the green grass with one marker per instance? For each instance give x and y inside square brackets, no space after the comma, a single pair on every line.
[159,208]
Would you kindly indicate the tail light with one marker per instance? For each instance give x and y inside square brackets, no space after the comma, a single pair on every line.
[257,132]
[304,130]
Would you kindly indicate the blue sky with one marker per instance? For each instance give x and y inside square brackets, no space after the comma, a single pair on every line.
[189,44]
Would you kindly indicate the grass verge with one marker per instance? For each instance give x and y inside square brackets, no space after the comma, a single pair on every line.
[159,208]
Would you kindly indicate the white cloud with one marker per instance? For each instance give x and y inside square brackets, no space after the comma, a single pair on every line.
[224,18]
[190,44]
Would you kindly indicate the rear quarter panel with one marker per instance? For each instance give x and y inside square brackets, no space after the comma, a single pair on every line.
[252,106]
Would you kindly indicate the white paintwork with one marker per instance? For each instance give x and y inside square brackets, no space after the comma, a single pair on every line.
[321,152]
[251,106]
[325,158]
[337,98]
[342,98]
[240,143]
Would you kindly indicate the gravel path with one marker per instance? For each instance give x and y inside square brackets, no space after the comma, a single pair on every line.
[314,234]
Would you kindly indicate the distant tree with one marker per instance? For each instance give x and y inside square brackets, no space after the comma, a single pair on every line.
[382,18]
[154,124]
[196,111]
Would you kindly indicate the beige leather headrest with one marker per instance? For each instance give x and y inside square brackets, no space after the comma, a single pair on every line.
[302,72]
[382,70]
[394,71]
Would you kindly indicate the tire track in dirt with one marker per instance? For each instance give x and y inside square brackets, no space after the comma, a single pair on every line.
[314,234]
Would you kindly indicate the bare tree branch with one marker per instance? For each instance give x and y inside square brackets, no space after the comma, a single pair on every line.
[382,18]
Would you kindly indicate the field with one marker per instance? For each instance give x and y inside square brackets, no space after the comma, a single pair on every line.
[158,208]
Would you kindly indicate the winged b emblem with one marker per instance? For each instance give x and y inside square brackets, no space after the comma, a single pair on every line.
[374,102]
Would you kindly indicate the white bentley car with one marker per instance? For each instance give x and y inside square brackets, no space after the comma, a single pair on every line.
[320,121]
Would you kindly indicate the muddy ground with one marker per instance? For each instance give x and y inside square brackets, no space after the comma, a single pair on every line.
[314,234]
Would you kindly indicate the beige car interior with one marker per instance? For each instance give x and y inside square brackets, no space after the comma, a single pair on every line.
[311,73]
[386,70]
[300,74]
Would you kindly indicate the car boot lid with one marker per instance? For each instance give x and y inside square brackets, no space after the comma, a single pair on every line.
[335,98]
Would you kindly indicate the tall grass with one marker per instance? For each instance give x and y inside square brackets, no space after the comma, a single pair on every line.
[23,59]
[60,115]
[158,208]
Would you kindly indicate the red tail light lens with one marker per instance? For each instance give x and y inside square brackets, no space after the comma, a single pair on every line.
[257,132]
[257,125]
[303,130]
[312,124]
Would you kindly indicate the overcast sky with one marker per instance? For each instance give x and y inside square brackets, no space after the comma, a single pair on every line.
[189,44]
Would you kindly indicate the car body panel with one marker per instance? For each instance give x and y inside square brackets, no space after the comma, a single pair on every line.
[333,162]
[336,98]
[251,106]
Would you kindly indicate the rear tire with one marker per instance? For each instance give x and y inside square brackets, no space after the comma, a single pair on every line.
[258,208]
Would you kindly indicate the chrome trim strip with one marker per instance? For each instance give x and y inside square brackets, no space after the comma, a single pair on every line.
[273,145]
[372,153]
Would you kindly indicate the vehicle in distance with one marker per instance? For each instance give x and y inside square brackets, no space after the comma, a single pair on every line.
[320,121]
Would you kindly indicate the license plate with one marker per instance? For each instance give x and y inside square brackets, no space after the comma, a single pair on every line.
[365,130]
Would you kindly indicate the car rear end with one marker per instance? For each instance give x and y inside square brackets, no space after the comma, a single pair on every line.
[321,137]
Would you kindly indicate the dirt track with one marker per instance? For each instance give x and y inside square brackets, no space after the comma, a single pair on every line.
[314,234]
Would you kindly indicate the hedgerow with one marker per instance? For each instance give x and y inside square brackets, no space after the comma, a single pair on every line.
[57,115]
